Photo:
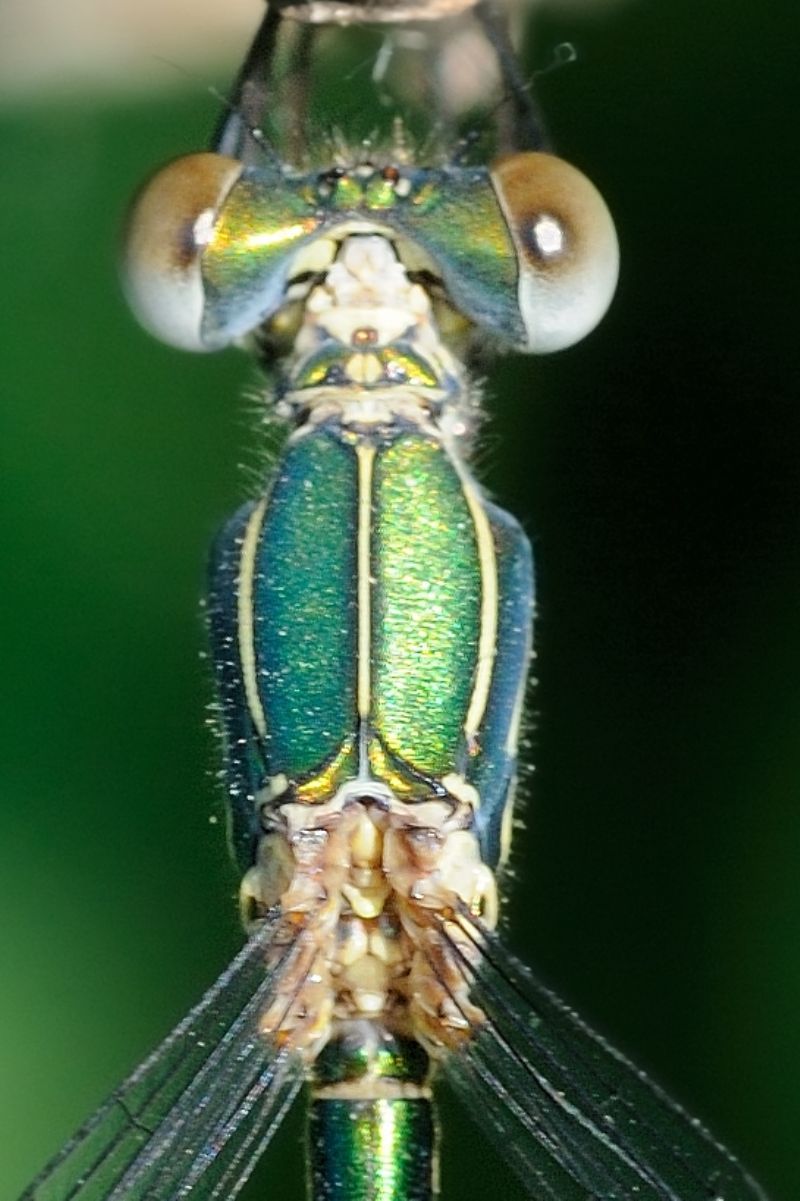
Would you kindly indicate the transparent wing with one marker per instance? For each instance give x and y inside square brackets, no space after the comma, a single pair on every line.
[198,1113]
[572,1117]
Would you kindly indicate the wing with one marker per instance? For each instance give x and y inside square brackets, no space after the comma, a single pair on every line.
[200,1111]
[572,1117]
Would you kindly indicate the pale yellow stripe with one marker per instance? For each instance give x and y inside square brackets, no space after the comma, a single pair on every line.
[519,705]
[247,649]
[487,643]
[366,459]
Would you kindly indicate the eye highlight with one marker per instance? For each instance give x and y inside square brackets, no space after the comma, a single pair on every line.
[171,223]
[547,237]
[566,247]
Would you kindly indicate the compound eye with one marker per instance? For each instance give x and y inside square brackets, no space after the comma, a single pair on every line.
[169,227]
[566,247]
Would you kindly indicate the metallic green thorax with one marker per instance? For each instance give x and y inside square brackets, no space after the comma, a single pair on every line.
[374,637]
[451,214]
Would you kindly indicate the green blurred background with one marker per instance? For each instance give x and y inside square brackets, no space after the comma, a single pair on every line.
[657,880]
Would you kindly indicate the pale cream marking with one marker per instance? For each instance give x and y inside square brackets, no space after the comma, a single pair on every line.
[507,822]
[458,787]
[247,649]
[277,786]
[364,368]
[372,1088]
[366,459]
[519,707]
[507,825]
[487,643]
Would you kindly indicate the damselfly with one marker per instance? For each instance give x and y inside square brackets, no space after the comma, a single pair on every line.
[370,617]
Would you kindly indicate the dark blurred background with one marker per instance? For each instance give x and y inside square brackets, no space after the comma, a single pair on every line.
[655,466]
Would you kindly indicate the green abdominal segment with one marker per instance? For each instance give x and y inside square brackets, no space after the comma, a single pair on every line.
[372,1150]
[371,1131]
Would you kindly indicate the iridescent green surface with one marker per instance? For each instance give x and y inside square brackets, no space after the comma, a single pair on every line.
[371,1150]
[402,362]
[452,214]
[362,1049]
[260,225]
[426,619]
[304,599]
[459,222]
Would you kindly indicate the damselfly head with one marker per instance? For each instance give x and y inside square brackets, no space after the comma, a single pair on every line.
[525,251]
